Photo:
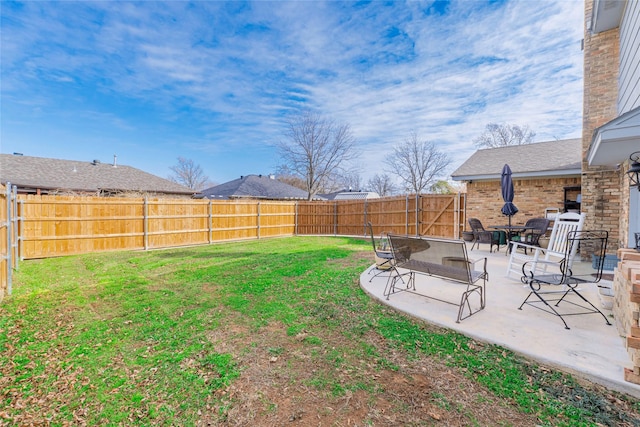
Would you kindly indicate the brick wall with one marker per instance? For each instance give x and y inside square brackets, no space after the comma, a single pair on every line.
[604,191]
[626,289]
[532,196]
[601,186]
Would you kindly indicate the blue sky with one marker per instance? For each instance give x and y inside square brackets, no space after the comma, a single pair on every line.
[215,81]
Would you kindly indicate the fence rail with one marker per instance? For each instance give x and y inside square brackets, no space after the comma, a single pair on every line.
[49,226]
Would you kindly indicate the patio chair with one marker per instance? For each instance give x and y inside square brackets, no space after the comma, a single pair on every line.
[563,225]
[383,257]
[564,274]
[480,235]
[536,227]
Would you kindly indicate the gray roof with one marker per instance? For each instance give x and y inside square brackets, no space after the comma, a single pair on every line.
[551,158]
[356,195]
[28,172]
[254,187]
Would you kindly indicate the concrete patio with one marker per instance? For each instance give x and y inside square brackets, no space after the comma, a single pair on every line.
[591,349]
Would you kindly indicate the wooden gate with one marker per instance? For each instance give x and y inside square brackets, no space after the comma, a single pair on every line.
[442,215]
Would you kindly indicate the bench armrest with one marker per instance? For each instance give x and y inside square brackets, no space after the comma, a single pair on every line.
[473,263]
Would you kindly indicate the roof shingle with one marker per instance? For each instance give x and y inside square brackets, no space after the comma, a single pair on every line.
[550,158]
[255,187]
[72,175]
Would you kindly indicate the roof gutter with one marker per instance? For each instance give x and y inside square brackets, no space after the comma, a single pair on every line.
[521,175]
[615,140]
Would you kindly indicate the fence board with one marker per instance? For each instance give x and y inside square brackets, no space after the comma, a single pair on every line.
[277,219]
[234,221]
[5,247]
[316,218]
[177,222]
[65,225]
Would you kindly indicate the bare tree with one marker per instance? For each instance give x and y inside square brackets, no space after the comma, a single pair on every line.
[190,175]
[350,181]
[284,174]
[316,149]
[503,135]
[418,163]
[381,184]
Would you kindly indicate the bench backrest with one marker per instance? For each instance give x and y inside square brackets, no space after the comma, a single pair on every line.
[439,257]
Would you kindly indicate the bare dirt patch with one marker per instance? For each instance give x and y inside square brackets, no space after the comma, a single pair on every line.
[282,385]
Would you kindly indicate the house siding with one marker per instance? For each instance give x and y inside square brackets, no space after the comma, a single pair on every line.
[629,91]
[601,194]
[629,87]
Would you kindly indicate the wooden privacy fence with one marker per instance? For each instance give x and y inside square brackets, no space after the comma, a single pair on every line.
[58,225]
[49,226]
[438,215]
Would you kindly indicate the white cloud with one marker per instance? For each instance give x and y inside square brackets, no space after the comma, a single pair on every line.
[222,76]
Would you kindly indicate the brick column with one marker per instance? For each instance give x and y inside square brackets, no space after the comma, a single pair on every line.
[601,195]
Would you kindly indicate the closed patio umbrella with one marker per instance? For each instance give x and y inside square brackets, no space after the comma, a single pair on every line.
[506,185]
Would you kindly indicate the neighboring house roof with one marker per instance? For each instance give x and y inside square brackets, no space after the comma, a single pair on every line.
[351,195]
[39,173]
[552,158]
[254,187]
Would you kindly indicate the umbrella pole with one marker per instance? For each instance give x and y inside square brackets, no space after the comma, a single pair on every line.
[509,238]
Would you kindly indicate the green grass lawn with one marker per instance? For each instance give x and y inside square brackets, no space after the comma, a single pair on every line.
[255,332]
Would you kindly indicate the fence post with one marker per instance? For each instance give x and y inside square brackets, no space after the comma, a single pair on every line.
[456,217]
[464,211]
[295,218]
[16,235]
[210,224]
[406,214]
[9,242]
[20,218]
[145,223]
[417,214]
[258,221]
[335,218]
[364,225]
[456,203]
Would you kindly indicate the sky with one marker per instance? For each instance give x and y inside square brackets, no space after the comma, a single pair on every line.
[215,82]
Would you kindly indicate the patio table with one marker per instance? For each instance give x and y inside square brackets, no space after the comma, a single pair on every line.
[511,230]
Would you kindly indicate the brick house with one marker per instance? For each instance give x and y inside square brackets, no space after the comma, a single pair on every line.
[540,180]
[610,133]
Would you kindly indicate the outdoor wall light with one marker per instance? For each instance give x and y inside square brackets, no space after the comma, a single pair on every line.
[634,170]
